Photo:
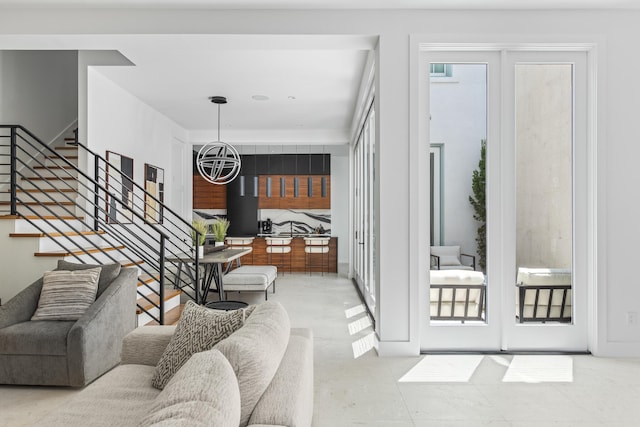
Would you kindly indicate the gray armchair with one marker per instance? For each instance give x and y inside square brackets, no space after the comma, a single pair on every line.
[67,353]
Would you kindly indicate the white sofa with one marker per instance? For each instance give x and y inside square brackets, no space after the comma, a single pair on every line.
[261,375]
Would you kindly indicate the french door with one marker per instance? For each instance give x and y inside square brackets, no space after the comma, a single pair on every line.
[363,218]
[518,118]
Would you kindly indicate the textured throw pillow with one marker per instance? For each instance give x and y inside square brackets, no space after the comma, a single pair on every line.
[255,352]
[66,295]
[204,392]
[107,275]
[198,329]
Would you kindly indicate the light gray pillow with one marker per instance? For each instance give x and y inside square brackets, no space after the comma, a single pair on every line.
[107,275]
[255,352]
[66,295]
[198,329]
[449,260]
[204,392]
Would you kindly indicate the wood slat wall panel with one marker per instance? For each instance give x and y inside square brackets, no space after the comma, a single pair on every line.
[207,195]
[303,201]
[317,201]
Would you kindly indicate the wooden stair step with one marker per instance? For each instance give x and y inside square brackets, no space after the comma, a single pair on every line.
[55,167]
[66,148]
[51,178]
[171,317]
[146,305]
[59,156]
[67,203]
[47,217]
[78,252]
[56,234]
[128,264]
[145,279]
[45,190]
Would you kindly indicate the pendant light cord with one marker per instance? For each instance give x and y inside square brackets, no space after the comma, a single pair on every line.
[218,122]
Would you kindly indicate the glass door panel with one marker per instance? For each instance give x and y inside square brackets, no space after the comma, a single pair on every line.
[463,306]
[544,196]
[364,178]
[548,95]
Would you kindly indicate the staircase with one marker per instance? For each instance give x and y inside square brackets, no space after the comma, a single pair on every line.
[59,212]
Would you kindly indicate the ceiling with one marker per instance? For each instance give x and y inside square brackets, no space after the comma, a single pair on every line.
[311,86]
[273,94]
[333,4]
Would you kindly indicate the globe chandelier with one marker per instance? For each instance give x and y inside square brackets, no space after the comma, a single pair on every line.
[218,162]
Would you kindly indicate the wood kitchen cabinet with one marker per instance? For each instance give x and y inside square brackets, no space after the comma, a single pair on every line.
[289,201]
[259,256]
[207,195]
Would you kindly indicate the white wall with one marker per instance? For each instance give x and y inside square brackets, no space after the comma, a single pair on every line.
[340,206]
[618,95]
[121,123]
[39,90]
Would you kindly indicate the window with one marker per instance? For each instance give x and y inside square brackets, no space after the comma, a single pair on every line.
[440,70]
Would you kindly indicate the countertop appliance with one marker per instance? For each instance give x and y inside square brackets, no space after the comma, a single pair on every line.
[267,226]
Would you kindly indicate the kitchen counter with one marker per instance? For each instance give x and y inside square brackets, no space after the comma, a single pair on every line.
[292,235]
[295,262]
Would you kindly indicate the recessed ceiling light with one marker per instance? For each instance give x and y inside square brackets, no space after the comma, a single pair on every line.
[260,97]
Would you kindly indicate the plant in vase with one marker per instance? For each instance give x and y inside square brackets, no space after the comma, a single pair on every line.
[219,230]
[198,238]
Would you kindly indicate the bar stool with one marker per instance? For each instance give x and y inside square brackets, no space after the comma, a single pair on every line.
[279,245]
[240,243]
[316,245]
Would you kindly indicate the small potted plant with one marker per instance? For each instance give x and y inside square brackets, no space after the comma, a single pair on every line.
[198,238]
[219,230]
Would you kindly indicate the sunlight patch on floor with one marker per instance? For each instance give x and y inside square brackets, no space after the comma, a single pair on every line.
[359,325]
[363,345]
[540,369]
[443,368]
[354,311]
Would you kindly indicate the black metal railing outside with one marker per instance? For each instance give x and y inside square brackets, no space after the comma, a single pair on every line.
[28,170]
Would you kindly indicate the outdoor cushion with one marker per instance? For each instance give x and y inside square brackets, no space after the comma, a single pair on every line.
[107,275]
[66,295]
[204,392]
[255,352]
[456,277]
[543,276]
[198,329]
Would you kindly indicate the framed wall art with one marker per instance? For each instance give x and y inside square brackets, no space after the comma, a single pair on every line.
[119,183]
[154,185]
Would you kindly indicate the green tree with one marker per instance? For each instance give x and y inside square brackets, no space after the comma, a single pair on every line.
[478,186]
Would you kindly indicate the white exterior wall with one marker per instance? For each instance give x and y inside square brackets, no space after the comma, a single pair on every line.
[618,101]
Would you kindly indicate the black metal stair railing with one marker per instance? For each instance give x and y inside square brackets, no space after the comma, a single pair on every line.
[156,248]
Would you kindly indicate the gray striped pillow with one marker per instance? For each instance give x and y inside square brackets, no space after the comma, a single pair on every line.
[66,295]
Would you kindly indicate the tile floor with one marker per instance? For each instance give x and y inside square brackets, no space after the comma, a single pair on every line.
[416,391]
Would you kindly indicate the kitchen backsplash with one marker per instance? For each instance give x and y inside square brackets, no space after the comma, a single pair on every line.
[297,220]
[284,220]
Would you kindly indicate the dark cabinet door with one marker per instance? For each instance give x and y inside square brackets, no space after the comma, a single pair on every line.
[242,211]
